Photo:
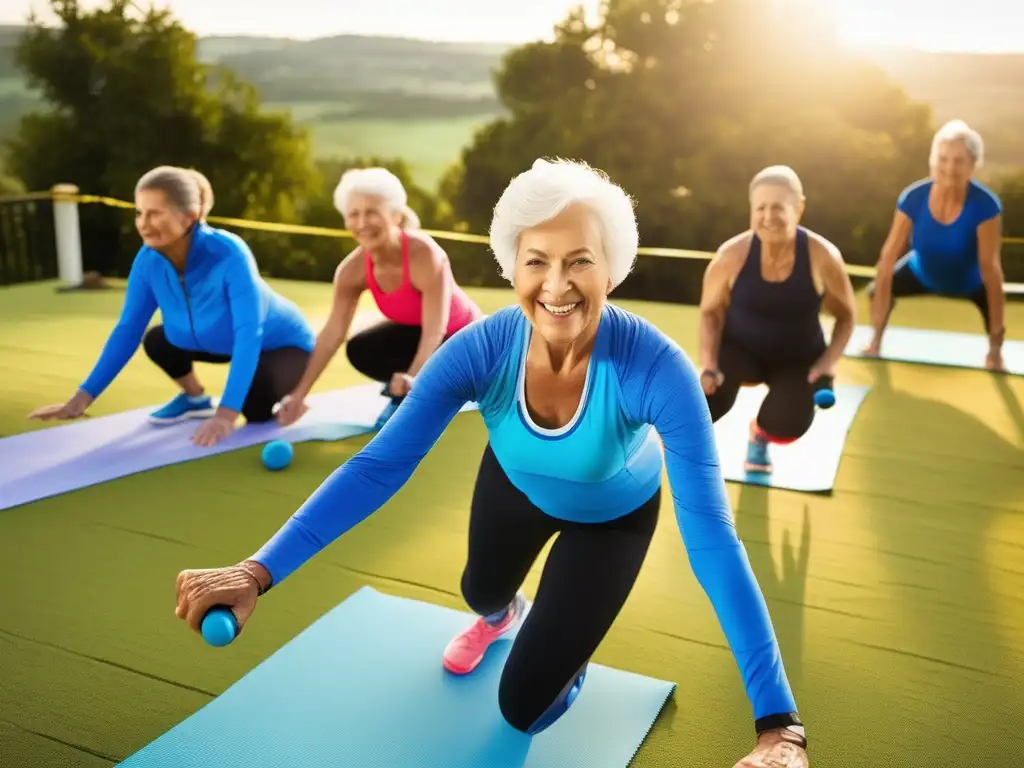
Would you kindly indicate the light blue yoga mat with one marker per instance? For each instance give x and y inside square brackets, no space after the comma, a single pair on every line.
[89,451]
[363,686]
[810,464]
[946,348]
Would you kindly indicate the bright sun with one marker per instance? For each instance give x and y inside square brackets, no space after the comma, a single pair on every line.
[933,25]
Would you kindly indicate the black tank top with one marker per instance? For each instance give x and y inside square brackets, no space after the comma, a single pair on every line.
[776,322]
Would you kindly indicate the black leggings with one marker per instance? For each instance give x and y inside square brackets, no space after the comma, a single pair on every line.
[787,410]
[384,350]
[277,374]
[905,283]
[588,575]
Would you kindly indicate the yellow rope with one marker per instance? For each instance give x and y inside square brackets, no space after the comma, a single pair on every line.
[300,229]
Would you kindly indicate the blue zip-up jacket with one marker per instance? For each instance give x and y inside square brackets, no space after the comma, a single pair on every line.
[219,305]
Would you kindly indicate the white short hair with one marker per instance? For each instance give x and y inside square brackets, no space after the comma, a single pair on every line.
[548,188]
[779,176]
[378,182]
[958,130]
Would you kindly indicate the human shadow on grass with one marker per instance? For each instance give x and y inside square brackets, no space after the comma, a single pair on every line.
[783,583]
[967,659]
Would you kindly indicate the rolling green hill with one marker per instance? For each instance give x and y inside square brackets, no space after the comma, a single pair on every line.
[423,100]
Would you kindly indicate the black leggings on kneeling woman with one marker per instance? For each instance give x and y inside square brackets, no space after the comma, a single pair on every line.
[387,348]
[587,577]
[787,410]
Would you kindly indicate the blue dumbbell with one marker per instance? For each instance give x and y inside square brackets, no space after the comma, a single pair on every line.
[220,626]
[824,395]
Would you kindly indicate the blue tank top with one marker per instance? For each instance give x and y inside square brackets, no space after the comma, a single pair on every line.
[944,257]
[602,459]
[603,465]
[776,321]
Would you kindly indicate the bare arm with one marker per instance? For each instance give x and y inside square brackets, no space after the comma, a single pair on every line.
[839,300]
[349,283]
[990,237]
[714,301]
[430,274]
[895,243]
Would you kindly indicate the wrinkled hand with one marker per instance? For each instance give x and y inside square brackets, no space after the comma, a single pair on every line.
[873,348]
[777,748]
[823,367]
[291,408]
[213,430]
[200,590]
[710,381]
[400,384]
[72,409]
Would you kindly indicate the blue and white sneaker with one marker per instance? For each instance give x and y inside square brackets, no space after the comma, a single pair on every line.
[758,459]
[184,407]
[387,413]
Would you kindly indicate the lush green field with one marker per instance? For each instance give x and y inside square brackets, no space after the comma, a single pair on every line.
[428,145]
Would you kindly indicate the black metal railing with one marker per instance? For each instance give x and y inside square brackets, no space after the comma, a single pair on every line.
[28,247]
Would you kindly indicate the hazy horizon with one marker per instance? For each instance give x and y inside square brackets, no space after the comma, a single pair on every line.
[984,26]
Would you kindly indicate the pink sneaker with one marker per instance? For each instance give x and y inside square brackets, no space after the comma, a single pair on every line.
[465,652]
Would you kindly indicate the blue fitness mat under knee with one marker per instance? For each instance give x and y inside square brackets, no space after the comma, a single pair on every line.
[810,464]
[363,686]
[946,348]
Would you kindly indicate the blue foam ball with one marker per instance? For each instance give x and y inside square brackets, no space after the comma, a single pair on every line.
[825,398]
[277,454]
[219,626]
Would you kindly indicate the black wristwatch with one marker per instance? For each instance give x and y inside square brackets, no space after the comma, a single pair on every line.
[800,731]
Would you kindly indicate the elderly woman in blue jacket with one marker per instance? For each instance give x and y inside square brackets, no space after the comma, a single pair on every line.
[215,308]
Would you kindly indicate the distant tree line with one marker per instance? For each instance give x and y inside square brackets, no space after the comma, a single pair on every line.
[671,101]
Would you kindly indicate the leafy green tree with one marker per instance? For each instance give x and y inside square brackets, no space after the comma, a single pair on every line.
[682,102]
[125,93]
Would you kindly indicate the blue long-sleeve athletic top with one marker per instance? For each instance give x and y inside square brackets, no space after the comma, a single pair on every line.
[219,304]
[945,256]
[604,464]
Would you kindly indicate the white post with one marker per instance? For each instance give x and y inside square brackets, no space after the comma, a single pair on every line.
[68,235]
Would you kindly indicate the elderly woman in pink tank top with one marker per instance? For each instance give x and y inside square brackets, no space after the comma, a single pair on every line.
[411,280]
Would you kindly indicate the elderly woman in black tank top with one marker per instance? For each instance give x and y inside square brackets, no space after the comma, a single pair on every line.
[759,315]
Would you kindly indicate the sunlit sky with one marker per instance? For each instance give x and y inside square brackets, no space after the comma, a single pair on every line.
[974,25]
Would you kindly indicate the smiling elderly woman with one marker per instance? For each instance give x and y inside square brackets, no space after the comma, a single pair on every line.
[954,225]
[761,303]
[214,307]
[411,281]
[575,394]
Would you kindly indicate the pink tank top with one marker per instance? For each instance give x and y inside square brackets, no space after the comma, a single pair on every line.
[405,304]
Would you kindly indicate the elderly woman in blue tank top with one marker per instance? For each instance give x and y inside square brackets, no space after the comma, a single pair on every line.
[760,316]
[575,394]
[954,225]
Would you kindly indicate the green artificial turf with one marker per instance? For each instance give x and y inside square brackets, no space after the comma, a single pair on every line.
[897,601]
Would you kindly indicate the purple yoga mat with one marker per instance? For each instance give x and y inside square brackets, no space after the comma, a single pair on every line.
[49,462]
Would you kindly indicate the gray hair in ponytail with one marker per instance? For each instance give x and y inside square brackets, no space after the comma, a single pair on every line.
[186,189]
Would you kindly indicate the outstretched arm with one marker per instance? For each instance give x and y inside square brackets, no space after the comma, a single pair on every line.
[139,306]
[248,313]
[990,235]
[714,301]
[430,274]
[895,243]
[839,301]
[364,483]
[349,283]
[674,404]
